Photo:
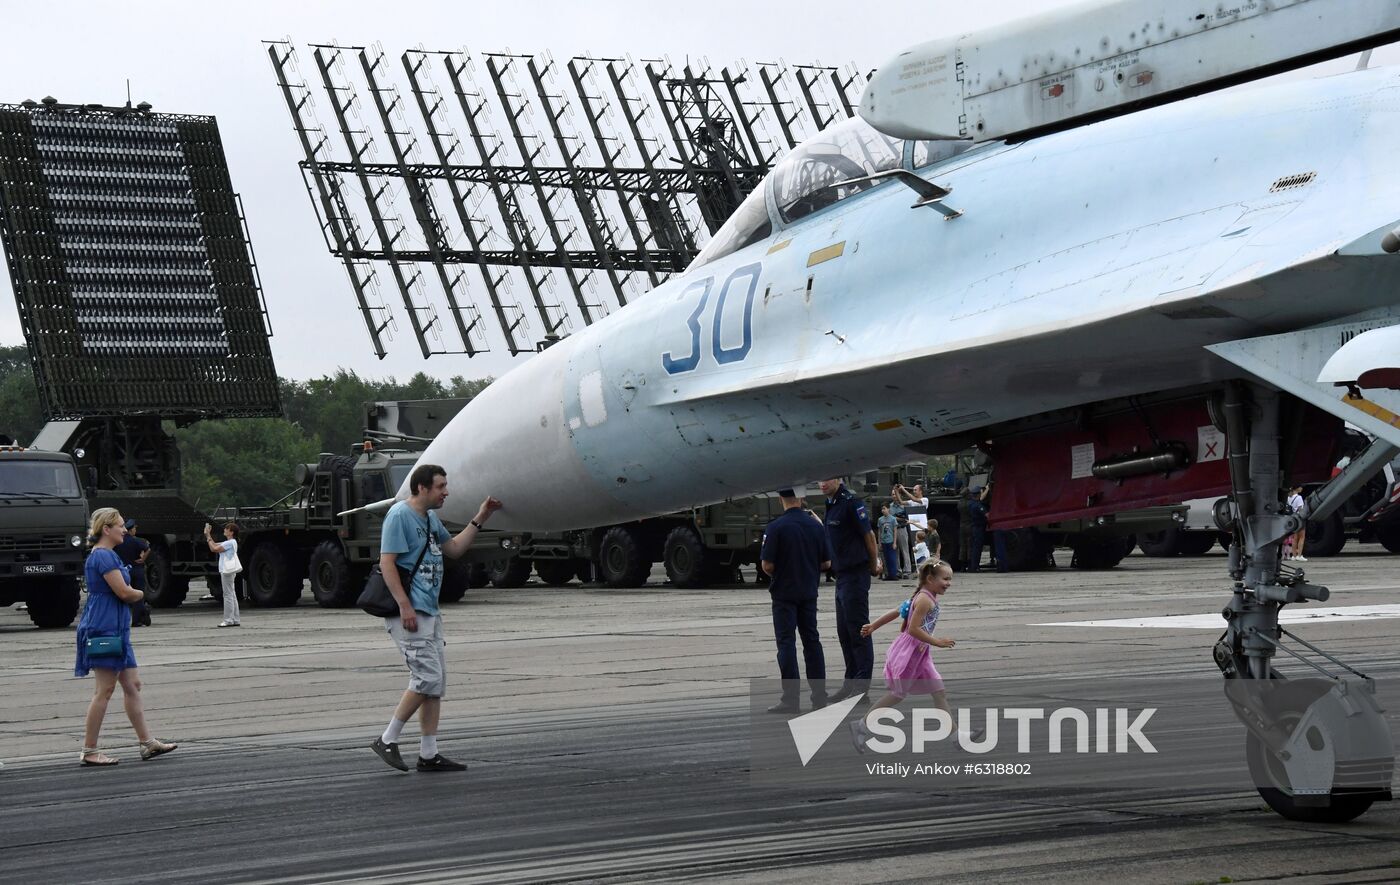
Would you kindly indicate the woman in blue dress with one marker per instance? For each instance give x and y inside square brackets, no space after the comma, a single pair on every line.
[108,613]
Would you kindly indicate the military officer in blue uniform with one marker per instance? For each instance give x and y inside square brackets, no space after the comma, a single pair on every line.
[794,555]
[854,559]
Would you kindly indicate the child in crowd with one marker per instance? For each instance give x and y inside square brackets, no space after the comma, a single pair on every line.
[908,666]
[921,554]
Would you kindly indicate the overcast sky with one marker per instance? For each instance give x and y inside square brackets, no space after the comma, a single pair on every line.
[209,59]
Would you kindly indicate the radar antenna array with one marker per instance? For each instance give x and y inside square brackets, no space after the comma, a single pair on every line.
[600,176]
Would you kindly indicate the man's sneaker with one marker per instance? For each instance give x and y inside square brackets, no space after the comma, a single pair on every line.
[390,754]
[437,763]
[858,735]
[208,597]
[785,707]
[1300,559]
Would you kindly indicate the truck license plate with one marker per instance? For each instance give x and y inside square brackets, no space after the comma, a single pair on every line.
[39,569]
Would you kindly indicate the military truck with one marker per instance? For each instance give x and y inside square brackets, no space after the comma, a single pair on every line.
[134,465]
[318,532]
[43,521]
[698,547]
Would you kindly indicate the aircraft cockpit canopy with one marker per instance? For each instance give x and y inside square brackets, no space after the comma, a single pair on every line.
[819,173]
[812,176]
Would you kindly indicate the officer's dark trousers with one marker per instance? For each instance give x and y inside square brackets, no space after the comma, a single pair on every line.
[852,613]
[792,617]
[974,556]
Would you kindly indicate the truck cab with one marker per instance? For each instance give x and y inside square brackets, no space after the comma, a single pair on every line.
[43,521]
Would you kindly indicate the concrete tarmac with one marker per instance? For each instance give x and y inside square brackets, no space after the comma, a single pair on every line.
[607,737]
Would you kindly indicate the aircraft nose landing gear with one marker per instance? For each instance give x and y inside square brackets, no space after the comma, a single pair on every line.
[1319,749]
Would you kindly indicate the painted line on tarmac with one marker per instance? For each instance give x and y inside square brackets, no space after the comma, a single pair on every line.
[1213,621]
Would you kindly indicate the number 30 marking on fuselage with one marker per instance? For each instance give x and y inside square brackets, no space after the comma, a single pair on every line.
[723,355]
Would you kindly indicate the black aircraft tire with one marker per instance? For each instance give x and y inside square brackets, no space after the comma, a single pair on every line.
[508,573]
[621,562]
[1296,696]
[164,589]
[556,572]
[1389,535]
[332,577]
[1195,543]
[1325,538]
[1167,542]
[54,603]
[684,556]
[270,579]
[456,579]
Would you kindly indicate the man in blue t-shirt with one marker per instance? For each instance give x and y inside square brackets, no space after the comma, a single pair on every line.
[855,560]
[133,551]
[414,539]
[795,553]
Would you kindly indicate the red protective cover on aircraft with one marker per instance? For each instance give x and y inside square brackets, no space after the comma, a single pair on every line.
[1045,477]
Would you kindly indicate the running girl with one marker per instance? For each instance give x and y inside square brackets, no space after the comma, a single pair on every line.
[908,667]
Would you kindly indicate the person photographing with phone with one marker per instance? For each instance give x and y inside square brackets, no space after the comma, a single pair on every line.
[412,545]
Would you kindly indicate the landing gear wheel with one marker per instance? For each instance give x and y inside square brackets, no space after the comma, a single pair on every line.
[163,588]
[455,581]
[332,577]
[272,582]
[684,556]
[1294,697]
[508,573]
[1325,538]
[556,572]
[621,562]
[54,603]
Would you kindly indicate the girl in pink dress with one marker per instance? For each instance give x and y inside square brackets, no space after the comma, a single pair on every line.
[908,667]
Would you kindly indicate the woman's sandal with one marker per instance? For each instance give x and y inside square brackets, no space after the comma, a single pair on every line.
[152,748]
[93,756]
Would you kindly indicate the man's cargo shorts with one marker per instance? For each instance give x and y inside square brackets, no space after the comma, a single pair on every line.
[423,651]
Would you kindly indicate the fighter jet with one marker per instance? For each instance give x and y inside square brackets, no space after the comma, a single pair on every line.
[1059,240]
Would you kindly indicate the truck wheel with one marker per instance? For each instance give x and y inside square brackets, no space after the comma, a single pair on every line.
[1195,543]
[1026,550]
[333,577]
[1167,542]
[1389,535]
[455,581]
[508,573]
[1325,538]
[684,556]
[54,603]
[477,575]
[621,562]
[163,588]
[1094,554]
[556,572]
[271,581]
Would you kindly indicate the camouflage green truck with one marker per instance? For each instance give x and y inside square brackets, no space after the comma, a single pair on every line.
[43,522]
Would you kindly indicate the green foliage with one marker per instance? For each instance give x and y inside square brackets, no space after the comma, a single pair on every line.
[20,416]
[250,461]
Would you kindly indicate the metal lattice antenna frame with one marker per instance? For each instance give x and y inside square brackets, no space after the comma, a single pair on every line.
[658,161]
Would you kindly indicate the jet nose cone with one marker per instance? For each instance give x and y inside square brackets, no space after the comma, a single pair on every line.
[511,442]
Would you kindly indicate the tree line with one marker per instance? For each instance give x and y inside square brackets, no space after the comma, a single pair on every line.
[249,461]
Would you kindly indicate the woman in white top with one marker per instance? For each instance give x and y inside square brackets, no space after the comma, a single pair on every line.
[229,567]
